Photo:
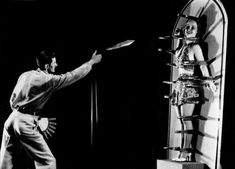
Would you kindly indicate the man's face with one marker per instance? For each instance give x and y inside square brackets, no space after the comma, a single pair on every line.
[190,29]
[52,66]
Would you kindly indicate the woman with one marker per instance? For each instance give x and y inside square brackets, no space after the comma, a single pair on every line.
[188,92]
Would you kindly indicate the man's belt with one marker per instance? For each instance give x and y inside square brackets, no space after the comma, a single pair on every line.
[25,111]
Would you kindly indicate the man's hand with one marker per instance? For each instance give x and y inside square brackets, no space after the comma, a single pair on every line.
[96,58]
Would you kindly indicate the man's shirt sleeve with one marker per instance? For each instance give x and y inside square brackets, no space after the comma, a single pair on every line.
[63,80]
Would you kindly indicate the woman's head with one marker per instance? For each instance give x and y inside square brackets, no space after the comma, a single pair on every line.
[191,28]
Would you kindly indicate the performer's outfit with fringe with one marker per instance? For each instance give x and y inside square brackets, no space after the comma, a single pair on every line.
[187,89]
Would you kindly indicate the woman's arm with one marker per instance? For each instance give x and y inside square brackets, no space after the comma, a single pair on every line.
[199,56]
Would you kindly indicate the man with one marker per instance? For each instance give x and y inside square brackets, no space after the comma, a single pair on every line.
[32,91]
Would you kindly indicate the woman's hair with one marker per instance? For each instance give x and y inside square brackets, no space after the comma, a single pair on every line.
[44,57]
[198,26]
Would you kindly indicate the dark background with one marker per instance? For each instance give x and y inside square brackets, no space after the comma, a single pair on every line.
[132,112]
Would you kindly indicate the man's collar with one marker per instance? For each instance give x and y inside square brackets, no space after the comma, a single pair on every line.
[44,71]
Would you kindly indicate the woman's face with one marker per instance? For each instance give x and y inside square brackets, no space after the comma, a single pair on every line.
[190,29]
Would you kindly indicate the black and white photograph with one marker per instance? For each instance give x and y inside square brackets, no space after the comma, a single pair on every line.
[116,84]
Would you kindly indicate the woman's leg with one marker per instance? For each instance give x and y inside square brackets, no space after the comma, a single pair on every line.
[183,126]
[186,138]
[189,129]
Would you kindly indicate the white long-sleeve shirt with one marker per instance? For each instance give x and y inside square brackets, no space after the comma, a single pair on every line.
[35,87]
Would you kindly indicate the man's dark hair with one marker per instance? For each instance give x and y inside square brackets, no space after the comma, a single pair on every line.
[44,57]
